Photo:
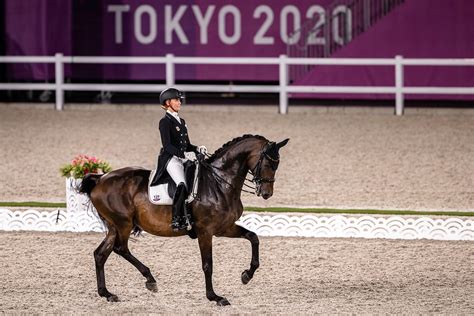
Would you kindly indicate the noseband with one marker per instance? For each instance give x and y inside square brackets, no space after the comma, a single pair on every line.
[257,171]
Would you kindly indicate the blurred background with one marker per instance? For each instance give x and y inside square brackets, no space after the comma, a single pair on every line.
[201,28]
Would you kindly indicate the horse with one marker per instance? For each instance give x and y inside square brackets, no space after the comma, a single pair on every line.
[121,200]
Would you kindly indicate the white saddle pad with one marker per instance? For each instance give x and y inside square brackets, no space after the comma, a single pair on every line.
[158,194]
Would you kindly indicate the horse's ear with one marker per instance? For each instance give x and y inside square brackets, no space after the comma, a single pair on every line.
[282,143]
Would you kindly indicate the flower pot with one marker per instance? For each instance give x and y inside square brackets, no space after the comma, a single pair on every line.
[81,214]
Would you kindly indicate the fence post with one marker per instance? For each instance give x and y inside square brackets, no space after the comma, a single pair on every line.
[366,13]
[169,70]
[399,106]
[283,83]
[59,76]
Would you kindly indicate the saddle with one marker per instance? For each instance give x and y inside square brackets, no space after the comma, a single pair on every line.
[163,192]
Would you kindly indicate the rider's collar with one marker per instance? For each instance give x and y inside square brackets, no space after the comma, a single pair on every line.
[174,114]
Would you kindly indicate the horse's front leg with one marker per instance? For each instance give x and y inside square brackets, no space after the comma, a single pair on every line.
[205,245]
[235,231]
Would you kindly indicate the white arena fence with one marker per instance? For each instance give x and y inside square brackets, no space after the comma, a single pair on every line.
[399,63]
[391,227]
[81,217]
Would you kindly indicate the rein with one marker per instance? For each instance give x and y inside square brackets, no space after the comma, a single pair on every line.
[211,168]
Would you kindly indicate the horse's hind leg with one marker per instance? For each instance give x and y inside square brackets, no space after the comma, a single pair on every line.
[121,248]
[239,232]
[100,255]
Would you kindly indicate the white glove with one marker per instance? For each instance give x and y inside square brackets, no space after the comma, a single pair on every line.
[202,150]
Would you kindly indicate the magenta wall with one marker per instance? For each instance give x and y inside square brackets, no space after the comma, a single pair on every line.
[416,28]
[138,28]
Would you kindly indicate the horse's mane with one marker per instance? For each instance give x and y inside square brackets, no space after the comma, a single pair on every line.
[220,152]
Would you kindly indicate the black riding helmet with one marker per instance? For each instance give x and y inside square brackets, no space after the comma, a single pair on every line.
[170,93]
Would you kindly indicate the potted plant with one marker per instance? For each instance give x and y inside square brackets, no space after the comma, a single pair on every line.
[82,165]
[78,205]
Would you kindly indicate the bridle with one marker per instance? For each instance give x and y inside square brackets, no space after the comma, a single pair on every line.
[257,170]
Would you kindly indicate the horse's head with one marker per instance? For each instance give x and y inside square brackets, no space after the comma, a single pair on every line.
[264,167]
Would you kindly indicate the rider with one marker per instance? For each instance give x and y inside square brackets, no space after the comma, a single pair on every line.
[175,141]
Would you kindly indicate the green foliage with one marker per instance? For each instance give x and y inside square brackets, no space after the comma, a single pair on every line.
[33,204]
[82,165]
[356,211]
[283,210]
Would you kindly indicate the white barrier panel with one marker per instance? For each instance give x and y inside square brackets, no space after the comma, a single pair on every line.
[391,227]
[58,220]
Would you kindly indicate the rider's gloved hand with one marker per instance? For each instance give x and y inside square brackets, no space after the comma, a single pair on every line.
[202,150]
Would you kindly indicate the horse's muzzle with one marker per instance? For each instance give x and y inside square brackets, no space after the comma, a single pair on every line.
[266,195]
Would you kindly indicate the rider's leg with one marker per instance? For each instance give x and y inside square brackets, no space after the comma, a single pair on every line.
[175,169]
[179,222]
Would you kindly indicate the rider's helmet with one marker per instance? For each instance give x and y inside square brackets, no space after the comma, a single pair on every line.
[170,93]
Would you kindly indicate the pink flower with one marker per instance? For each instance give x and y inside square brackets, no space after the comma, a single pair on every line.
[83,164]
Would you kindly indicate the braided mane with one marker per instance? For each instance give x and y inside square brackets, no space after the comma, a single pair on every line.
[220,152]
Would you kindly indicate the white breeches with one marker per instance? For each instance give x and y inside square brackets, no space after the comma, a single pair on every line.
[175,169]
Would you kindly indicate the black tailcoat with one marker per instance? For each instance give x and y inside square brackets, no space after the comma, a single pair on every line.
[175,141]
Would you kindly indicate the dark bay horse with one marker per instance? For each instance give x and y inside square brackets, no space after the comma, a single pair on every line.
[121,199]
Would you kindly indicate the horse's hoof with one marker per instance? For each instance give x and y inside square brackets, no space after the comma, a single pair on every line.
[113,298]
[223,302]
[151,286]
[245,277]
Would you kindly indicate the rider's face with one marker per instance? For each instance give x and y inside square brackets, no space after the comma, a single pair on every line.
[175,104]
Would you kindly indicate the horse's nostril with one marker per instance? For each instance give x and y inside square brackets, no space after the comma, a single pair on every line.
[266,195]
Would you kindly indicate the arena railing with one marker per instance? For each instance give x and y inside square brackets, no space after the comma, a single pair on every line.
[283,62]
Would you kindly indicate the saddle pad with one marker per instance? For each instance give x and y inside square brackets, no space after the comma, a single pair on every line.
[158,194]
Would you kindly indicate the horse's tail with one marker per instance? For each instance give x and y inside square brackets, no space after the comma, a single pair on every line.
[89,182]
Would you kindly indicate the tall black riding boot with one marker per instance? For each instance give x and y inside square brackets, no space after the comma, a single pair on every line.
[178,221]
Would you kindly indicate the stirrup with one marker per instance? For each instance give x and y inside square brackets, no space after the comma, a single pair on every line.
[188,223]
[176,227]
[178,224]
